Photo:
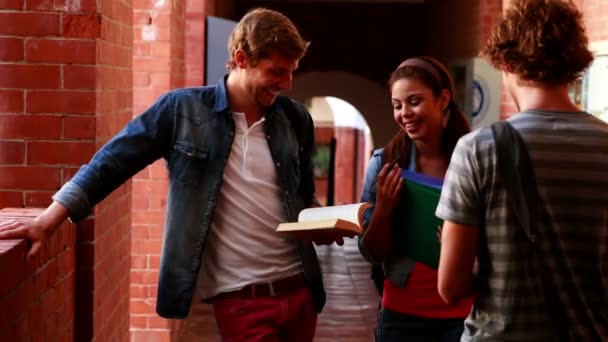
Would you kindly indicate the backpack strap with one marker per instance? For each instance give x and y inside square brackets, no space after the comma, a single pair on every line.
[513,163]
[515,168]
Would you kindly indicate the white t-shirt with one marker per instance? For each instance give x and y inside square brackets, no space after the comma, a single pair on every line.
[242,247]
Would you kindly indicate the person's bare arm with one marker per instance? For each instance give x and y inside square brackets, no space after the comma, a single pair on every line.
[458,252]
[37,230]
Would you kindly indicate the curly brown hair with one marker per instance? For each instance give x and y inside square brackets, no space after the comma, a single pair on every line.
[540,40]
[455,128]
[262,32]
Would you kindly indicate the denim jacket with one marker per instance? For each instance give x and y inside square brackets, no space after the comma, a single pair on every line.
[193,130]
[396,267]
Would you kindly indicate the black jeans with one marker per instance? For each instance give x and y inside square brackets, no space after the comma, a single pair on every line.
[396,327]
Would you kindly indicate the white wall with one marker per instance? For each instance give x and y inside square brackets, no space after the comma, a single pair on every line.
[487,87]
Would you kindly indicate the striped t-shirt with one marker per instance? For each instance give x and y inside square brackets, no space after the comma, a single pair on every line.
[569,153]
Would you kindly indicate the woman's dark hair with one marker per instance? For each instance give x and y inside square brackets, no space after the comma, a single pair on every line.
[457,125]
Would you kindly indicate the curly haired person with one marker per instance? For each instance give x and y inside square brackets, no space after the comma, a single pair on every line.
[541,47]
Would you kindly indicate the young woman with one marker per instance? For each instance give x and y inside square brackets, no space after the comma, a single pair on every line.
[430,125]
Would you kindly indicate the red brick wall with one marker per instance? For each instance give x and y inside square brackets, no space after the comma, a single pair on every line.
[196,11]
[47,97]
[104,241]
[178,44]
[151,78]
[158,66]
[507,106]
[66,78]
[194,45]
[37,298]
[324,134]
[362,157]
[489,14]
[350,158]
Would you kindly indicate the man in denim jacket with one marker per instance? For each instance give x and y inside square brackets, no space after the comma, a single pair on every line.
[240,162]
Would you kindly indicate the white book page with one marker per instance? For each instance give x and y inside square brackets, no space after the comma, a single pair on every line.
[348,212]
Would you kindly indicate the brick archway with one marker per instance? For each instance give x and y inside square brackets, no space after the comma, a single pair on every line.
[369,97]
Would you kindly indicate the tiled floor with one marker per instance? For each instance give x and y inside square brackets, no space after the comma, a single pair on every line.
[352,300]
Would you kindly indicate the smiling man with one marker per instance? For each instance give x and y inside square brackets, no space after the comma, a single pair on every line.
[239,157]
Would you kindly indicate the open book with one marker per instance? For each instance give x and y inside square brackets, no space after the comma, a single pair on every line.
[338,221]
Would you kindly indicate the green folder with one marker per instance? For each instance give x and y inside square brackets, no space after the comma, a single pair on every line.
[415,224]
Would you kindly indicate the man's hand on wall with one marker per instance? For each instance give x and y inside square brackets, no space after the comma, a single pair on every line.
[35,231]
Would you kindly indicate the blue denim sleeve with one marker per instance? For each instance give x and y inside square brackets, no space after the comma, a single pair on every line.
[368,194]
[143,140]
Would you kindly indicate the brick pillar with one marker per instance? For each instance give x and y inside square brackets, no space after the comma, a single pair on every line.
[346,165]
[178,44]
[158,66]
[65,89]
[111,237]
[195,40]
[362,157]
[507,106]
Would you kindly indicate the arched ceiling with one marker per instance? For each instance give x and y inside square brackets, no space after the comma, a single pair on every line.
[369,98]
[368,38]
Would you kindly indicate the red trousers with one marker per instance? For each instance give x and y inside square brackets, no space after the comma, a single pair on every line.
[286,317]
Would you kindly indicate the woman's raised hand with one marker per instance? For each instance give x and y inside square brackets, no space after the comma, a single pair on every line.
[388,187]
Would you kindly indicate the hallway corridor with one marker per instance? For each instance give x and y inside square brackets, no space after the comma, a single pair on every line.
[352,299]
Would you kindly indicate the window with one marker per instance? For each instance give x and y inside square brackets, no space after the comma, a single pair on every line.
[594,86]
[322,159]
